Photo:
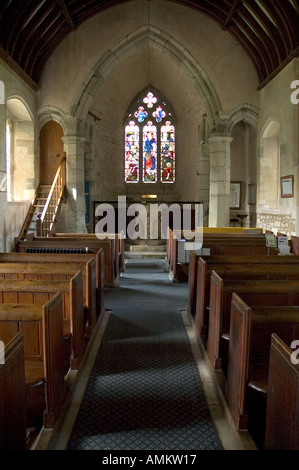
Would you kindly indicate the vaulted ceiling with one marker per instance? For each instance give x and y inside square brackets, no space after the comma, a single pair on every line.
[30,30]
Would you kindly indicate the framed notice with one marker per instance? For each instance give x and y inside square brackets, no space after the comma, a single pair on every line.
[287,186]
[271,240]
[235,195]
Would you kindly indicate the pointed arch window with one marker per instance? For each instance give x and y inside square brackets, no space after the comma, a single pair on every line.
[149,140]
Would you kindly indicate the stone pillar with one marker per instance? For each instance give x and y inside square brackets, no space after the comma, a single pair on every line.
[203,173]
[220,161]
[3,195]
[2,128]
[75,204]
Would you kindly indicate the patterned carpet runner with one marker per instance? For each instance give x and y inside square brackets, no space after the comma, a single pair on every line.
[144,391]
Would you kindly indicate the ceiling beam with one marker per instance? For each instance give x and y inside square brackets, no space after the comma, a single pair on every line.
[29,33]
[268,26]
[31,30]
[268,45]
[62,5]
[232,12]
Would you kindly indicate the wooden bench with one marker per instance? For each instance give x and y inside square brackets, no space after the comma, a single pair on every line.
[282,415]
[13,396]
[213,262]
[55,271]
[260,267]
[76,261]
[42,329]
[218,244]
[255,292]
[68,245]
[248,367]
[39,292]
[192,283]
[119,243]
[171,233]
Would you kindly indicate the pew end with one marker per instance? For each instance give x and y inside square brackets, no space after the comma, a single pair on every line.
[215,321]
[12,396]
[42,329]
[282,420]
[251,330]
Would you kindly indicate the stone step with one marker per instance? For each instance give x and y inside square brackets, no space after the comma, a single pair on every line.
[147,249]
[144,254]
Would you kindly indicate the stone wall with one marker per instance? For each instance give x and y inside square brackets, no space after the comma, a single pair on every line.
[277,223]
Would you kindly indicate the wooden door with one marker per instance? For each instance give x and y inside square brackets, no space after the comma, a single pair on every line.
[51,151]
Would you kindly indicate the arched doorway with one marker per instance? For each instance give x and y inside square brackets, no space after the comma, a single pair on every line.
[51,151]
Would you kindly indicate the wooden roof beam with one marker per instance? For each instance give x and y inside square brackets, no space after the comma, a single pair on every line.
[232,13]
[66,13]
[280,27]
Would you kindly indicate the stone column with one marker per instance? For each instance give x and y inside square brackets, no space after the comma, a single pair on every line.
[75,204]
[3,195]
[220,161]
[203,173]
[2,128]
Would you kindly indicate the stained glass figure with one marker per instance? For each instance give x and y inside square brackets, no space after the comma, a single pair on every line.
[149,140]
[167,153]
[132,153]
[141,114]
[149,153]
[150,100]
[159,114]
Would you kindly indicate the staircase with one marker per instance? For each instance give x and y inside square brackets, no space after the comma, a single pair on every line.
[45,207]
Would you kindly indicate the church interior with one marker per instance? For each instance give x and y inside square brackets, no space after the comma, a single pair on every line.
[117,106]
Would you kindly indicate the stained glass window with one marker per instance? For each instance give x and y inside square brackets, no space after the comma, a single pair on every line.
[132,153]
[167,153]
[159,114]
[149,153]
[149,140]
[150,99]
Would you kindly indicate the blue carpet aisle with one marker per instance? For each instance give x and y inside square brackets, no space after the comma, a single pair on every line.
[144,391]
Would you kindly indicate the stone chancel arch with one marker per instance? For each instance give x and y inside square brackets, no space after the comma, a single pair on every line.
[148,37]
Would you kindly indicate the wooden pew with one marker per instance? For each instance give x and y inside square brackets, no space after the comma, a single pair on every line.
[13,396]
[282,416]
[55,271]
[192,283]
[39,292]
[294,243]
[76,261]
[42,329]
[248,368]
[218,244]
[259,267]
[68,245]
[119,244]
[255,292]
[213,262]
